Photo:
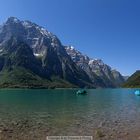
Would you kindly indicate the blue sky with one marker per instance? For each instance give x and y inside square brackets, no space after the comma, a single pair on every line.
[106,29]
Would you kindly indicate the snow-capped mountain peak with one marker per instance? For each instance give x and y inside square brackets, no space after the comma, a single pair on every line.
[13,19]
[37,37]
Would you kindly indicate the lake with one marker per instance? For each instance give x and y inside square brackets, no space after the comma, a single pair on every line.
[103,113]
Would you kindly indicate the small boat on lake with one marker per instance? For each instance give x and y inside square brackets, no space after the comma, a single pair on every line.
[82,92]
[137,92]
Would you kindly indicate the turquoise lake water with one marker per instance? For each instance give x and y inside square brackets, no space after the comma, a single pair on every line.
[66,113]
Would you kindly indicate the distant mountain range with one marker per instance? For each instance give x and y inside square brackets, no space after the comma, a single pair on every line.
[32,57]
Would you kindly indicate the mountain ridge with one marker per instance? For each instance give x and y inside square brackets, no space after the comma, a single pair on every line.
[108,76]
[47,57]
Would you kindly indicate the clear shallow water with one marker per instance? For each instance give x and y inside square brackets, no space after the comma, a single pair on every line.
[62,112]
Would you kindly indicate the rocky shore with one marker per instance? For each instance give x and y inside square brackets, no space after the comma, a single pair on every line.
[27,129]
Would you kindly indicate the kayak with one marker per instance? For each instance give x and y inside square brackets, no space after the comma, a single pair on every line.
[137,92]
[81,92]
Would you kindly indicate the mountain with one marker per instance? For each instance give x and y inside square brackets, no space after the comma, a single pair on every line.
[96,69]
[133,81]
[47,59]
[31,56]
